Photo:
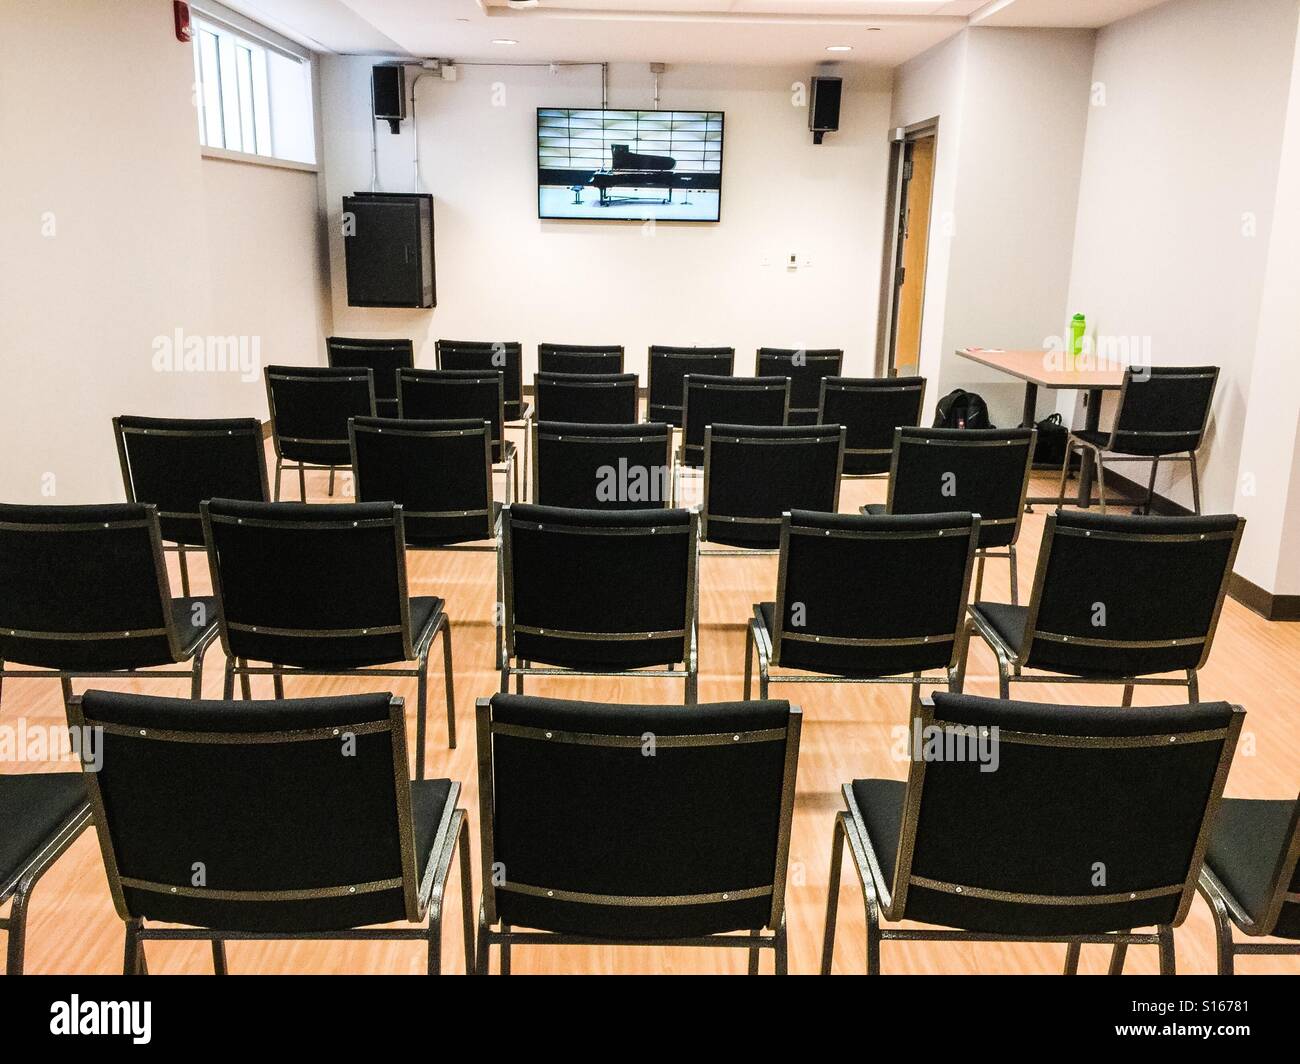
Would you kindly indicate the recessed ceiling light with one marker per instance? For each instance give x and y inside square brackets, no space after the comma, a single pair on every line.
[839,47]
[503,40]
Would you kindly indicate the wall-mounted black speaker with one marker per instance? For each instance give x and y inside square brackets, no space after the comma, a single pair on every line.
[388,249]
[824,106]
[388,93]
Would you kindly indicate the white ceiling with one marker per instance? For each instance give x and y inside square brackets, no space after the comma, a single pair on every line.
[880,32]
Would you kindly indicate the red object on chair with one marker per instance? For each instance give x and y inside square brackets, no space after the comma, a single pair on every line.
[182,12]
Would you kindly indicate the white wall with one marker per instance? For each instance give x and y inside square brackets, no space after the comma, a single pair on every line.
[1012,107]
[117,232]
[1180,159]
[503,274]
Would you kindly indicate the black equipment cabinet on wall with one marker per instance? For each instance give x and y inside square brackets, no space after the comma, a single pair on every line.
[388,241]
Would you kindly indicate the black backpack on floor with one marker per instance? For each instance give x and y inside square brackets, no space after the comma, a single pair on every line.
[962,410]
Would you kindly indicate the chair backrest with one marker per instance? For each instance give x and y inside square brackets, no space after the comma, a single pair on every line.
[84,588]
[384,357]
[440,472]
[872,596]
[176,463]
[586,398]
[579,358]
[709,400]
[602,467]
[985,471]
[1163,409]
[806,370]
[666,368]
[870,409]
[310,584]
[755,474]
[1128,596]
[454,395]
[501,356]
[1052,819]
[597,838]
[310,407]
[599,589]
[241,817]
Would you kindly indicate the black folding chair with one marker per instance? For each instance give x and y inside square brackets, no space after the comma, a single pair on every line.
[806,370]
[321,591]
[500,356]
[1251,878]
[586,398]
[310,407]
[84,593]
[1037,823]
[41,815]
[870,409]
[461,395]
[865,600]
[599,593]
[602,467]
[1162,416]
[383,357]
[176,463]
[1116,599]
[985,471]
[586,838]
[666,370]
[247,823]
[579,358]
[440,472]
[708,400]
[755,474]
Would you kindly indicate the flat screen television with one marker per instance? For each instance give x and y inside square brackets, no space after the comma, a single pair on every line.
[629,165]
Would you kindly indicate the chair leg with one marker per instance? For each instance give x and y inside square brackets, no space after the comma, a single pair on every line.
[278,681]
[519,678]
[331,488]
[958,682]
[1117,957]
[1165,933]
[279,470]
[1065,470]
[466,895]
[1151,487]
[302,483]
[196,676]
[481,944]
[1015,575]
[1128,695]
[228,680]
[185,572]
[753,956]
[782,950]
[1193,687]
[692,695]
[449,684]
[1196,483]
[16,947]
[833,893]
[1101,481]
[505,950]
[749,658]
[421,709]
[66,684]
[979,575]
[433,942]
[245,685]
[1072,958]
[1004,680]
[219,958]
[1222,935]
[133,962]
[527,434]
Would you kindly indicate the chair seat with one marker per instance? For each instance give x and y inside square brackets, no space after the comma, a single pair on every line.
[1245,846]
[418,542]
[1007,621]
[502,452]
[881,804]
[1142,446]
[428,803]
[519,411]
[183,614]
[33,806]
[425,611]
[874,509]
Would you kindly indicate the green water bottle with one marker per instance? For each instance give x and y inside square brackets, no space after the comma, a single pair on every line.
[1078,326]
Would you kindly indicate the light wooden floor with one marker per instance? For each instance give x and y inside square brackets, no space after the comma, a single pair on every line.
[846,734]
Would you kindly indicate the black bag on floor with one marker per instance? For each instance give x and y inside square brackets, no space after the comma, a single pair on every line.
[1049,451]
[962,410]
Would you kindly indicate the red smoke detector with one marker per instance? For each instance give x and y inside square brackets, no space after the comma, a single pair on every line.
[182,12]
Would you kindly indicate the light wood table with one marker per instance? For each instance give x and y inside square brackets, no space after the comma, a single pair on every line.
[1047,369]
